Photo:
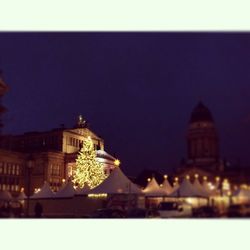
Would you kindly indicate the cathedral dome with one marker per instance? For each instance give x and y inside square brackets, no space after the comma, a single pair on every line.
[201,114]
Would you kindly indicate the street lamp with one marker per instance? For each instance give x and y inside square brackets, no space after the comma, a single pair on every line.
[30,165]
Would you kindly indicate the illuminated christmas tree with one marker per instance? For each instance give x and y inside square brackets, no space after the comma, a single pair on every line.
[88,169]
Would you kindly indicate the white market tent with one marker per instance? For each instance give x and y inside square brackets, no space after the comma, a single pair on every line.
[197,185]
[44,193]
[244,193]
[241,195]
[66,191]
[5,196]
[207,188]
[21,196]
[167,187]
[186,189]
[116,183]
[153,189]
[84,190]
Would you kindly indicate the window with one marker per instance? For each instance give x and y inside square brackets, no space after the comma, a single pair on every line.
[13,169]
[55,169]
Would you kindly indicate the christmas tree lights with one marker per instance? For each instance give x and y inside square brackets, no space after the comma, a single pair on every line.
[88,169]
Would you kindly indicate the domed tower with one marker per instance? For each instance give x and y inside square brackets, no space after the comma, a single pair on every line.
[202,139]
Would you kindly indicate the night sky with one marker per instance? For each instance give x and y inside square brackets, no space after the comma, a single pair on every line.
[137,90]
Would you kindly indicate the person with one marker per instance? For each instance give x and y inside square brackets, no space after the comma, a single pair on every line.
[38,210]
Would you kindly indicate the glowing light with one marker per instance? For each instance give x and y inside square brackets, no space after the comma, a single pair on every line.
[225,185]
[117,162]
[22,189]
[161,185]
[187,177]
[148,179]
[204,178]
[37,190]
[97,195]
[165,176]
[176,179]
[217,178]
[63,180]
[88,169]
[196,176]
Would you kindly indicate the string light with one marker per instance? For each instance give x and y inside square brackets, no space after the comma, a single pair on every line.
[117,162]
[88,169]
[148,179]
[196,176]
[187,177]
[97,195]
[165,176]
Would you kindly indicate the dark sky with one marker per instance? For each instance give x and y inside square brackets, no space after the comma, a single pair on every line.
[137,90]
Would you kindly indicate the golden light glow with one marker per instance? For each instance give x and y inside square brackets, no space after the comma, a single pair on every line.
[117,162]
[176,179]
[37,190]
[97,195]
[161,185]
[196,176]
[63,180]
[217,178]
[148,179]
[225,184]
[204,178]
[165,176]
[187,177]
[88,169]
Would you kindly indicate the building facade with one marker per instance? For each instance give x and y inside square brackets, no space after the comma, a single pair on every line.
[53,155]
[202,140]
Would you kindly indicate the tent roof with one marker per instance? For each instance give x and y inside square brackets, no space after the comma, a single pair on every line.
[84,190]
[45,192]
[66,191]
[22,196]
[116,183]
[186,189]
[167,187]
[197,185]
[153,189]
[242,193]
[5,195]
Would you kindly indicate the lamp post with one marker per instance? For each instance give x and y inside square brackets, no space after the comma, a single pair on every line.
[30,165]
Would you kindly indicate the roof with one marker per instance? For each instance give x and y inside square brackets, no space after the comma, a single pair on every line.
[66,191]
[199,187]
[186,189]
[45,192]
[201,113]
[153,189]
[116,183]
[104,155]
[84,190]
[167,187]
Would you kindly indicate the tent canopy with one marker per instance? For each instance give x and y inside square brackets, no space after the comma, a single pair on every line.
[153,189]
[45,192]
[116,183]
[186,189]
[167,187]
[66,191]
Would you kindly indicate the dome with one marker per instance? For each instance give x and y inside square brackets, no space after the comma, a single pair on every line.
[201,114]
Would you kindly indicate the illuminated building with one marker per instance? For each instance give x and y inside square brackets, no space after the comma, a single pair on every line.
[202,140]
[54,154]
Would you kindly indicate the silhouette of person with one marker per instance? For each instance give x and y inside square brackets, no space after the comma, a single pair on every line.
[38,210]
